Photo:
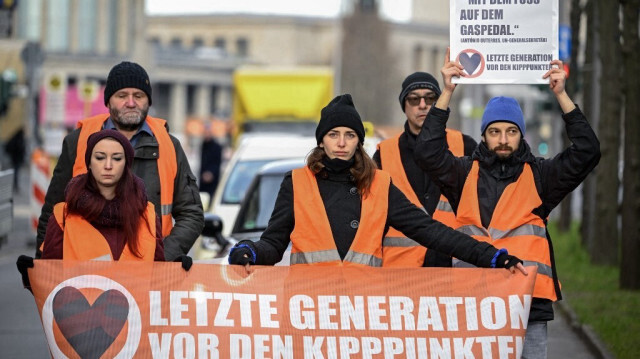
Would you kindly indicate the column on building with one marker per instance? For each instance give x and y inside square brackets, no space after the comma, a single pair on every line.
[223,100]
[178,109]
[203,101]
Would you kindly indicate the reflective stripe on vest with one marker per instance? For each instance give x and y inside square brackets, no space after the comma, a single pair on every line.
[167,162]
[312,241]
[82,241]
[513,225]
[399,250]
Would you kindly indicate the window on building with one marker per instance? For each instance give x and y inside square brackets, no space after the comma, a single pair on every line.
[30,20]
[87,25]
[57,25]
[197,42]
[154,43]
[242,47]
[220,43]
[176,43]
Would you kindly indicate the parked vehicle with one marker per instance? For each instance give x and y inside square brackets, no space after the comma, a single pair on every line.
[275,99]
[254,213]
[253,152]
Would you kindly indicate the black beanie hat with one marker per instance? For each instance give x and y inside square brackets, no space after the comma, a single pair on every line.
[340,112]
[127,74]
[418,80]
[102,134]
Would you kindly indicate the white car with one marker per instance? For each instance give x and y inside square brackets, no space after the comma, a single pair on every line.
[255,210]
[253,152]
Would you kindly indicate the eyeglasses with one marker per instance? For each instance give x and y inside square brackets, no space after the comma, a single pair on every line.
[429,99]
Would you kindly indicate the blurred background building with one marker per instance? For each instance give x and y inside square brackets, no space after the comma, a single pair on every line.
[59,52]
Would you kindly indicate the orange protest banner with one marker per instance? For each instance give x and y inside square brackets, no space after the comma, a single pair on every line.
[158,310]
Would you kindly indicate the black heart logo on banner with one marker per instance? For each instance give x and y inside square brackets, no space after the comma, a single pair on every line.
[90,329]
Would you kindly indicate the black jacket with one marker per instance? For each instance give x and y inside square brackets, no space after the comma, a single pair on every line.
[342,203]
[427,192]
[555,177]
[187,207]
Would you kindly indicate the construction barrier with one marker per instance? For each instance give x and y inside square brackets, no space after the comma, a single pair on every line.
[40,178]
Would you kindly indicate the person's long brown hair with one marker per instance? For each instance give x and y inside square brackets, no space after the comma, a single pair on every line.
[363,169]
[131,204]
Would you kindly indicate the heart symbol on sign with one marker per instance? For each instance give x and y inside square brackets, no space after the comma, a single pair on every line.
[470,63]
[90,329]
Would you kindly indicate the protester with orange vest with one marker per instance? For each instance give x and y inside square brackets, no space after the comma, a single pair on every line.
[395,155]
[106,215]
[336,210]
[159,160]
[502,194]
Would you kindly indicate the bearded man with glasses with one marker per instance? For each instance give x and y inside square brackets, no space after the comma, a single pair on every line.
[395,155]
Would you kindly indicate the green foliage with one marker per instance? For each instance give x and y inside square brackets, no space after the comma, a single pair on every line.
[593,293]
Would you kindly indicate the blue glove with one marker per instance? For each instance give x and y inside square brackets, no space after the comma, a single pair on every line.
[502,259]
[243,253]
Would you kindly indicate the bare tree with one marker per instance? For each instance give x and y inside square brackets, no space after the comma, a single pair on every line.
[629,265]
[591,104]
[605,245]
[367,62]
[572,86]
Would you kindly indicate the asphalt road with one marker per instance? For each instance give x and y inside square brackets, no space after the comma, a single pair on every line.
[22,336]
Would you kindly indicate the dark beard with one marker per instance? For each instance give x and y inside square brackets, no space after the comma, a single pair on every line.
[503,147]
[127,124]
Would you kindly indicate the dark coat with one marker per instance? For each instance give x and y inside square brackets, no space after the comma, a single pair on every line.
[555,178]
[187,207]
[427,192]
[343,204]
[210,160]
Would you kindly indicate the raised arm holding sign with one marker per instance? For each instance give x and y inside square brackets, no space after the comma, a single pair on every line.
[502,193]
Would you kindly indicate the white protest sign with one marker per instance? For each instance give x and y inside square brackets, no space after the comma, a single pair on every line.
[504,41]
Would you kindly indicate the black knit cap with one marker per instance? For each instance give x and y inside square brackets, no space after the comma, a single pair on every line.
[102,134]
[340,112]
[127,74]
[418,80]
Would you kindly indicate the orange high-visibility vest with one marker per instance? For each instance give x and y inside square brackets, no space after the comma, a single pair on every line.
[167,162]
[398,250]
[312,240]
[513,225]
[82,241]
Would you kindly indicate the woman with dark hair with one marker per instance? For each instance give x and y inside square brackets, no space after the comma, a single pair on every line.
[106,215]
[336,210]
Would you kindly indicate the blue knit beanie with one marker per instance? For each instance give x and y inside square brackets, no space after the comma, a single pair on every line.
[503,109]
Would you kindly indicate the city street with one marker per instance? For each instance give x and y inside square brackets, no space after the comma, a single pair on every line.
[21,334]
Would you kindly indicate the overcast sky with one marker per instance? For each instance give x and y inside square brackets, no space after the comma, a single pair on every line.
[396,10]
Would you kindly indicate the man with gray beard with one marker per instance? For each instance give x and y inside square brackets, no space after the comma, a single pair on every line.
[159,160]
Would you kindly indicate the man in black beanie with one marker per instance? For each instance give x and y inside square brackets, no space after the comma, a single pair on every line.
[395,155]
[159,160]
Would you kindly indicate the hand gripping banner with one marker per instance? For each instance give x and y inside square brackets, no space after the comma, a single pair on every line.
[158,310]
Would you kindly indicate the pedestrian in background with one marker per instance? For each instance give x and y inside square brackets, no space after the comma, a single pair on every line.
[159,160]
[16,148]
[336,210]
[503,194]
[210,160]
[396,156]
